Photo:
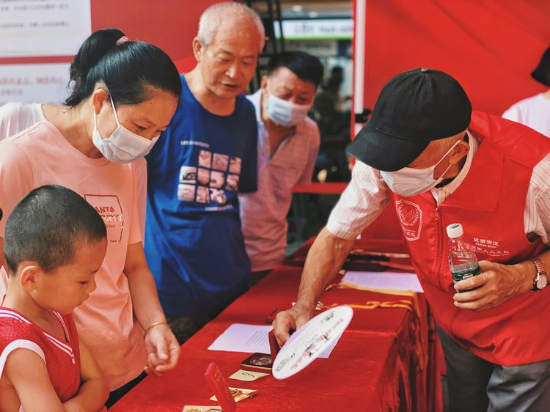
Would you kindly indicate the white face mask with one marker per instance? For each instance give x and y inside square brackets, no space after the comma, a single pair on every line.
[285,113]
[409,182]
[123,146]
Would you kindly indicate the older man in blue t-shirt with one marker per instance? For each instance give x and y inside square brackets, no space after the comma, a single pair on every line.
[194,244]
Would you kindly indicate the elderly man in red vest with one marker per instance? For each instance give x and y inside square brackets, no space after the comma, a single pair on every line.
[438,163]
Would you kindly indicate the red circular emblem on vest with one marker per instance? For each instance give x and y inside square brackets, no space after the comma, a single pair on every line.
[410,216]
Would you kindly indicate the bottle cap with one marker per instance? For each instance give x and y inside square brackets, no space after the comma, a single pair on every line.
[455,230]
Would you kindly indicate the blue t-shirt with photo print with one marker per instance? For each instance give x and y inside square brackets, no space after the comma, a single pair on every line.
[193,239]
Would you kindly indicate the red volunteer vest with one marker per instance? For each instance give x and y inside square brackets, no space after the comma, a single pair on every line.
[490,205]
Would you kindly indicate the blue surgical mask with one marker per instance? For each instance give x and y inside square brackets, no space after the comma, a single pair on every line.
[285,113]
[409,182]
[123,146]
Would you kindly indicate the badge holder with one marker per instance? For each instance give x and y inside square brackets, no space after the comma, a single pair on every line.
[220,388]
[263,362]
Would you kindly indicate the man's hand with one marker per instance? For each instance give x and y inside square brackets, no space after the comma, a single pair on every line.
[292,318]
[163,349]
[496,284]
[324,259]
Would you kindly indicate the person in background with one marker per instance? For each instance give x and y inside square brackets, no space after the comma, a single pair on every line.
[52,264]
[124,95]
[438,163]
[288,142]
[332,86]
[208,154]
[332,163]
[535,111]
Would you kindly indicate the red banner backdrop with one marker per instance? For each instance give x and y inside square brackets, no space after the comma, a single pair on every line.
[489,46]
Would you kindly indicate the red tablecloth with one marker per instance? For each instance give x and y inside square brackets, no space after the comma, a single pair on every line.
[374,367]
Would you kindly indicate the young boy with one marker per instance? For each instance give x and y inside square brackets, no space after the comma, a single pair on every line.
[54,243]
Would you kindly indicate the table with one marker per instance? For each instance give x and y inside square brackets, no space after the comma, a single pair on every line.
[373,368]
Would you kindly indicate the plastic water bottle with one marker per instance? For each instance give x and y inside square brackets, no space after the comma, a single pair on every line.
[462,259]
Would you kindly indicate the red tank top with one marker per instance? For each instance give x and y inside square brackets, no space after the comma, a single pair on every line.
[490,205]
[62,358]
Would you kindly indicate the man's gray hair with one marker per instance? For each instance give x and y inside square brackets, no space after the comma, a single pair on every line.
[211,19]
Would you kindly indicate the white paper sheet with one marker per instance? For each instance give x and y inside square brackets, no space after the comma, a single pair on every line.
[384,280]
[250,339]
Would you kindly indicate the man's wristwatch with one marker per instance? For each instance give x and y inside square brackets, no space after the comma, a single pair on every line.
[541,280]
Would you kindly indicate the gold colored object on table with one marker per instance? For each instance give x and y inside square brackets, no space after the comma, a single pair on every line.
[240,394]
[412,305]
[374,304]
[195,408]
[248,376]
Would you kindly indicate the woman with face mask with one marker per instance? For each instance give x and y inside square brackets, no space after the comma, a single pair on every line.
[124,95]
[18,116]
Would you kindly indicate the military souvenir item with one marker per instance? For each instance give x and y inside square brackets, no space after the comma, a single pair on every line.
[308,342]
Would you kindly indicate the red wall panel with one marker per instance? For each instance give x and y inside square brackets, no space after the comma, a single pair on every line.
[489,46]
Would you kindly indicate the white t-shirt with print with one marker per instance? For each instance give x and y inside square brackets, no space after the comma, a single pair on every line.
[533,112]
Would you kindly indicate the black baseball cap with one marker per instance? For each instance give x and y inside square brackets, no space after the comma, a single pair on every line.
[542,73]
[413,109]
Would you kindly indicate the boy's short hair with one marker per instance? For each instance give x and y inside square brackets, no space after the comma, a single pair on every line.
[47,225]
[307,67]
